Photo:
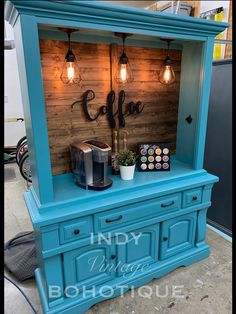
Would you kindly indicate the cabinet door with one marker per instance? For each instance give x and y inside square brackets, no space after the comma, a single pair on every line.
[89,266]
[139,251]
[178,234]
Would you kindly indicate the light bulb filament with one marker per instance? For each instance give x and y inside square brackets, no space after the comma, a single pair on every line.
[123,72]
[167,74]
[70,71]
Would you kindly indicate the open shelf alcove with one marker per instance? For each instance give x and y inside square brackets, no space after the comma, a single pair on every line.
[166,107]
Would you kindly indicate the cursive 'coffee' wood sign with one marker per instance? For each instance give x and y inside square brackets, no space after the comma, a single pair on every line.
[131,107]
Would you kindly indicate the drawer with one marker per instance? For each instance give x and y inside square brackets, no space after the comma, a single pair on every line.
[75,229]
[136,212]
[192,197]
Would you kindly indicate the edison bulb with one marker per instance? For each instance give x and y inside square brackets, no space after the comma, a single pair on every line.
[167,74]
[70,73]
[123,72]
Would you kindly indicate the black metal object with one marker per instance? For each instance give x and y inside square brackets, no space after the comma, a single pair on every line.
[88,96]
[121,115]
[124,60]
[132,108]
[165,239]
[110,115]
[167,205]
[70,60]
[70,57]
[135,108]
[24,167]
[189,119]
[102,110]
[115,219]
[113,256]
[76,231]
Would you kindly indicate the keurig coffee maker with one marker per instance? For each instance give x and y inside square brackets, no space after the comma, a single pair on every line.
[89,164]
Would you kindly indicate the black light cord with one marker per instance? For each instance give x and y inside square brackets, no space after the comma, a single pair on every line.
[124,44]
[69,39]
[25,296]
[168,45]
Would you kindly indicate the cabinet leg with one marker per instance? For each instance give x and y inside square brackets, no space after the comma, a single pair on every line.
[53,274]
[201,227]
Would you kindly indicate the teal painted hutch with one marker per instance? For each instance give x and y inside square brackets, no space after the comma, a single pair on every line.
[167,209]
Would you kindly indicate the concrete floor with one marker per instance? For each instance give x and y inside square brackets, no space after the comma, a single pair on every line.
[205,287]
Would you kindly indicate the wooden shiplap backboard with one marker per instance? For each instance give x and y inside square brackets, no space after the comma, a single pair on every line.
[157,122]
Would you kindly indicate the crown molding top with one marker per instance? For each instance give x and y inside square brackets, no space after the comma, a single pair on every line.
[110,15]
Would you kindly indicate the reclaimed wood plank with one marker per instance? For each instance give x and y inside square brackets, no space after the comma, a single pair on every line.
[98,64]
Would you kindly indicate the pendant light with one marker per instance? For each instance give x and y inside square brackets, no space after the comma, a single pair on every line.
[124,73]
[70,72]
[167,74]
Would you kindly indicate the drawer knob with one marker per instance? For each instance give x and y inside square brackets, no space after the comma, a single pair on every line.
[76,231]
[165,239]
[167,205]
[115,219]
[113,257]
[194,198]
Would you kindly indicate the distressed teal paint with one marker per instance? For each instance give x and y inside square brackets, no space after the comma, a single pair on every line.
[49,237]
[204,94]
[201,229]
[42,289]
[126,193]
[28,55]
[124,228]
[52,268]
[188,101]
[167,209]
[144,252]
[192,197]
[177,235]
[80,305]
[93,12]
[84,225]
[124,27]
[78,265]
[206,195]
[99,38]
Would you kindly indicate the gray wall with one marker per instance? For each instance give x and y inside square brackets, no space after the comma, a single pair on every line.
[218,153]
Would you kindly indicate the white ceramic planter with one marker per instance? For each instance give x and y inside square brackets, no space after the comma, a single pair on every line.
[127,172]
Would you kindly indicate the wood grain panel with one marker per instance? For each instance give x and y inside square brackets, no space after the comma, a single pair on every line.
[98,63]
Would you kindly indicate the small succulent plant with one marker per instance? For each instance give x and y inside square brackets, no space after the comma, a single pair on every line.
[126,158]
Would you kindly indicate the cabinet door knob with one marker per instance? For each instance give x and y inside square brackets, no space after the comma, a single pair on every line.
[76,231]
[165,239]
[113,257]
[194,198]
